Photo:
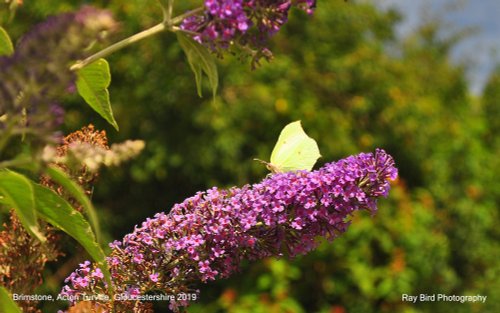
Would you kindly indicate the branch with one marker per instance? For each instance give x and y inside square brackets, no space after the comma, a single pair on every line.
[167,24]
[119,45]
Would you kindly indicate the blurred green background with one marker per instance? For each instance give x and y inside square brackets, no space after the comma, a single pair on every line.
[355,86]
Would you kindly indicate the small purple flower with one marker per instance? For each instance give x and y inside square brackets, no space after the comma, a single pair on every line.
[97,273]
[204,266]
[85,265]
[81,282]
[154,277]
[115,244]
[218,252]
[138,258]
[132,291]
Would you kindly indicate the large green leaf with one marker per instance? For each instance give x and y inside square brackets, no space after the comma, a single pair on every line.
[6,47]
[7,305]
[62,215]
[78,193]
[92,83]
[201,61]
[18,193]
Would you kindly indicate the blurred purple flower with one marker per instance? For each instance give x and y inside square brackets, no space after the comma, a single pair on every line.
[37,75]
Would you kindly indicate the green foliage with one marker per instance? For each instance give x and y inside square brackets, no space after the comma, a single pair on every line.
[491,108]
[18,193]
[32,201]
[7,305]
[201,61]
[76,191]
[59,213]
[92,84]
[6,47]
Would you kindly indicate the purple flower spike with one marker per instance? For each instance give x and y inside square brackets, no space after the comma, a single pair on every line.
[248,23]
[208,235]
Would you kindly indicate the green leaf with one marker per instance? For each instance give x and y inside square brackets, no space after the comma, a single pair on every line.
[92,83]
[18,193]
[62,215]
[7,305]
[78,193]
[6,47]
[201,61]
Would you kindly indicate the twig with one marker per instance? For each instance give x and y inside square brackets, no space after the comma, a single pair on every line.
[119,45]
[167,24]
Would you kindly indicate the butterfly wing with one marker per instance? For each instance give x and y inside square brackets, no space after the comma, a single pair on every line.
[294,150]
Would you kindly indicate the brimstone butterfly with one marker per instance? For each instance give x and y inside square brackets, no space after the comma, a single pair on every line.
[294,150]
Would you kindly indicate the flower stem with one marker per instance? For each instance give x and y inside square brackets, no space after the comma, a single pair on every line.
[164,8]
[178,29]
[170,10]
[167,24]
[119,45]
